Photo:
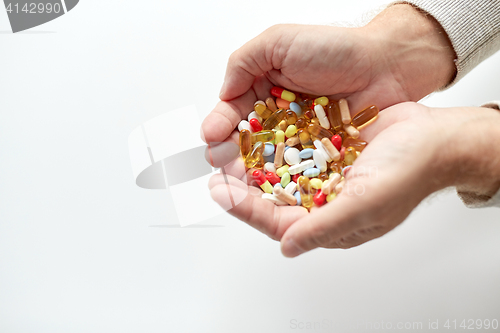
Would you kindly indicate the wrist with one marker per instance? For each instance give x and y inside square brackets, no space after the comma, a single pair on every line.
[415,48]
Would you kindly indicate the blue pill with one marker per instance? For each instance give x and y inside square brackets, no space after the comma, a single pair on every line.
[269,158]
[296,108]
[297,196]
[268,149]
[306,153]
[311,172]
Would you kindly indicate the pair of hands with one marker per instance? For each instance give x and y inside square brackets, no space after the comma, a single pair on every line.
[407,157]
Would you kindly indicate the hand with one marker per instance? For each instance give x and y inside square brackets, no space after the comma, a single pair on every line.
[413,152]
[402,55]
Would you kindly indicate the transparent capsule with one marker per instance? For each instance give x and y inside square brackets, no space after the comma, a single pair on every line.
[274,119]
[255,156]
[309,114]
[336,167]
[301,123]
[262,110]
[305,191]
[305,139]
[357,144]
[333,114]
[245,142]
[271,105]
[342,134]
[263,136]
[364,116]
[291,117]
[350,156]
[323,176]
[282,125]
[318,131]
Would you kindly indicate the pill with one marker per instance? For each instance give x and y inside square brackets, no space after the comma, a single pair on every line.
[282,104]
[329,185]
[295,108]
[268,149]
[296,169]
[319,198]
[305,192]
[300,123]
[292,156]
[323,176]
[305,138]
[357,144]
[352,131]
[291,187]
[274,119]
[337,141]
[281,194]
[293,141]
[279,136]
[261,180]
[291,117]
[245,142]
[350,156]
[323,101]
[364,116]
[262,110]
[307,164]
[278,157]
[255,124]
[254,115]
[311,172]
[340,187]
[281,171]
[309,114]
[330,149]
[285,179]
[273,178]
[263,136]
[282,93]
[282,125]
[344,111]
[319,147]
[273,199]
[331,196]
[320,113]
[269,167]
[299,199]
[336,167]
[342,153]
[255,156]
[306,153]
[316,183]
[291,130]
[319,131]
[333,114]
[245,125]
[271,105]
[319,160]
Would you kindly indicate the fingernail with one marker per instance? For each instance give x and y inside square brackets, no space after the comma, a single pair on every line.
[222,89]
[290,249]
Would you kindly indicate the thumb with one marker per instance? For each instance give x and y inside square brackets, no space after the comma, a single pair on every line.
[255,58]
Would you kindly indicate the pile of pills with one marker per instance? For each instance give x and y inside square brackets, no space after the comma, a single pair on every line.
[298,148]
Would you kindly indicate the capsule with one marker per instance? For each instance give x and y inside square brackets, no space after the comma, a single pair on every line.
[336,167]
[323,176]
[282,93]
[329,185]
[263,136]
[271,105]
[282,104]
[279,136]
[350,156]
[319,131]
[260,179]
[323,101]
[245,142]
[357,144]
[273,178]
[282,125]
[309,114]
[323,119]
[305,191]
[364,116]
[343,135]
[319,198]
[337,141]
[278,156]
[262,110]
[256,126]
[274,119]
[345,114]
[291,117]
[352,131]
[291,130]
[301,123]
[330,149]
[333,115]
[293,141]
[305,138]
[281,194]
[255,156]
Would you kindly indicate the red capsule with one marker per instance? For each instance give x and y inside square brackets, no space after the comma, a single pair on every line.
[259,177]
[337,141]
[282,93]
[256,126]
[295,177]
[319,198]
[273,178]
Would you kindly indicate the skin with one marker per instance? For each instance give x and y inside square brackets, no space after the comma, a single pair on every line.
[387,62]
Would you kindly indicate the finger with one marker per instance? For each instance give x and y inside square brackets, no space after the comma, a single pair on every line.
[259,213]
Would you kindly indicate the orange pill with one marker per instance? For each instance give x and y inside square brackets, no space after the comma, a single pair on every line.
[282,104]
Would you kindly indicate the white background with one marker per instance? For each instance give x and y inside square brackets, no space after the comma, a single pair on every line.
[80,250]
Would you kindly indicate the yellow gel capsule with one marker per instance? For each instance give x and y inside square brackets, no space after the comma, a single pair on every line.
[305,191]
[350,156]
[301,123]
[357,144]
[331,196]
[282,125]
[291,130]
[262,110]
[245,142]
[364,116]
[291,117]
[262,136]
[281,171]
[323,101]
[255,156]
[333,115]
[279,137]
[319,131]
[274,119]
[316,183]
[305,139]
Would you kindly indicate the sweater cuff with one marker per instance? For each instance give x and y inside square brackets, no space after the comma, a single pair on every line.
[473,28]
[474,200]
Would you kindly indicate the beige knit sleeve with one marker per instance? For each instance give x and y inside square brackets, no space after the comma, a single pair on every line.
[473,27]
